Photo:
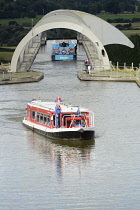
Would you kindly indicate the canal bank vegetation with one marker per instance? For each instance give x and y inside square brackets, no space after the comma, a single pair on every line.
[32,8]
[124,54]
[6,53]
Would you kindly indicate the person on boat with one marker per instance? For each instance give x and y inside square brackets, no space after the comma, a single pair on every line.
[58,99]
[34,99]
[57,115]
[78,111]
[75,48]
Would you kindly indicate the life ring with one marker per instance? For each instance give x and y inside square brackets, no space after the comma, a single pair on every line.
[56,50]
[64,51]
[71,50]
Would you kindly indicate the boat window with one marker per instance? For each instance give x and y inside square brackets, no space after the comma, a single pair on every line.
[54,119]
[64,116]
[48,120]
[103,52]
[45,120]
[28,113]
[41,118]
[33,115]
[37,119]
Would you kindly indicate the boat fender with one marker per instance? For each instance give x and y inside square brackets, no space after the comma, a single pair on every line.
[64,51]
[56,50]
[71,50]
[81,130]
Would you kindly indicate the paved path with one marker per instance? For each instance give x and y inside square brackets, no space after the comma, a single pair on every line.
[109,76]
[21,77]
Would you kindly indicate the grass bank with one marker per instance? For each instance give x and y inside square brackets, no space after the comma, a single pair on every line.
[6,53]
[124,16]
[20,21]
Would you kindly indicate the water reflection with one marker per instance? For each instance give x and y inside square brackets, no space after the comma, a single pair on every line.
[61,153]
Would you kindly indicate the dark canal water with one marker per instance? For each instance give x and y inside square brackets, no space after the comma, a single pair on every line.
[37,173]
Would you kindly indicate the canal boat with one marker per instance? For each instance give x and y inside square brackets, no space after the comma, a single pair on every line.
[75,123]
[64,50]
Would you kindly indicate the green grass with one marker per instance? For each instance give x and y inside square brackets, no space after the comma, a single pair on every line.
[124,16]
[7,49]
[128,33]
[35,20]
[21,20]
[6,56]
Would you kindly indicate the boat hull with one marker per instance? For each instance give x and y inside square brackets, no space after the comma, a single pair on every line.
[79,134]
[61,57]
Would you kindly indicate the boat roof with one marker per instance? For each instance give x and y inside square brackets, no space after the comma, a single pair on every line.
[73,41]
[51,106]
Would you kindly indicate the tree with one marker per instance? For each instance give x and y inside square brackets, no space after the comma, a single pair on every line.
[13,23]
[4,36]
[121,54]
[31,14]
[95,8]
[112,7]
[138,9]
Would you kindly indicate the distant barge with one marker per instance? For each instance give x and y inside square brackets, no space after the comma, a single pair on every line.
[64,50]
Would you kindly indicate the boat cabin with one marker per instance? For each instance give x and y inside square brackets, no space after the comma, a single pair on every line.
[42,113]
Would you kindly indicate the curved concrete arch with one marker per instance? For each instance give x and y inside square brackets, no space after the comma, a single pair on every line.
[78,21]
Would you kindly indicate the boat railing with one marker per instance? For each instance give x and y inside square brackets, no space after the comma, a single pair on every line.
[90,117]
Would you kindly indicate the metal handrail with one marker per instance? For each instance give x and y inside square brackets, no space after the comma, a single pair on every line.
[90,117]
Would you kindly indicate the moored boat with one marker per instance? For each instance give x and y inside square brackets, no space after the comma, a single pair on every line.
[74,123]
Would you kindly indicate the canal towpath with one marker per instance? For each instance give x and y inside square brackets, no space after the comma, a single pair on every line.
[110,75]
[20,77]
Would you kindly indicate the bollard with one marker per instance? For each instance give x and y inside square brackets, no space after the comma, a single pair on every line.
[117,68]
[124,69]
[132,66]
[3,73]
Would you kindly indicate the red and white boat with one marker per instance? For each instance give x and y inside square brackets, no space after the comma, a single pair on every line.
[74,124]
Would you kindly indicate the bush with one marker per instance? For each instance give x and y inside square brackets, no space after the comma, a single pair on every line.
[26,24]
[124,27]
[119,20]
[11,23]
[32,14]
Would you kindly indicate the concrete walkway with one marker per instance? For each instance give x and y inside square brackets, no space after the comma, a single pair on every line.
[92,54]
[109,76]
[21,77]
[29,57]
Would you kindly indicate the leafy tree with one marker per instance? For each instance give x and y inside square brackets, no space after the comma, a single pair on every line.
[4,37]
[13,23]
[95,8]
[138,8]
[125,26]
[20,8]
[112,7]
[124,54]
[32,14]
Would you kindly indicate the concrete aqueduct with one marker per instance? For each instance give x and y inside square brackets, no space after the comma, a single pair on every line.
[97,32]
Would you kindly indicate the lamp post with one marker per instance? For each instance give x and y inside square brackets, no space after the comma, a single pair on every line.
[32,22]
[32,25]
